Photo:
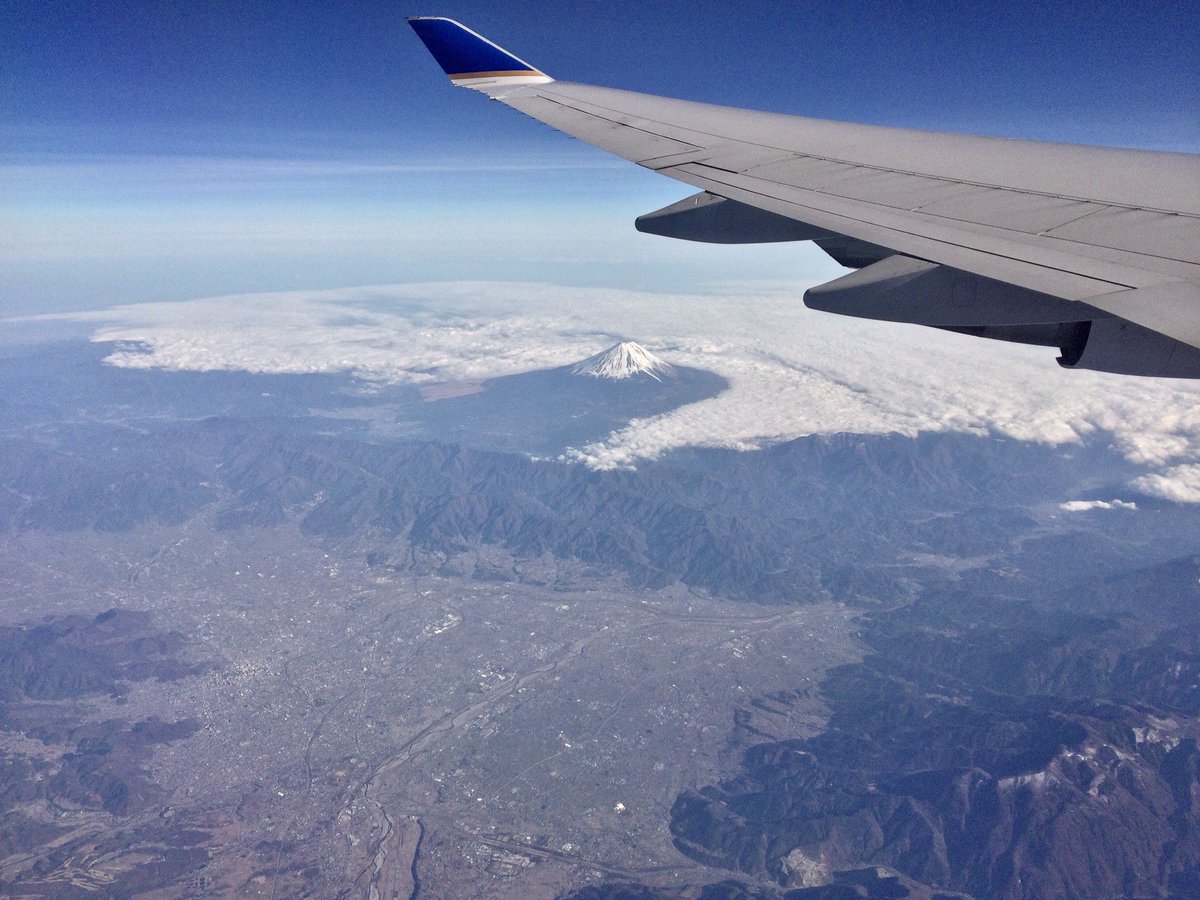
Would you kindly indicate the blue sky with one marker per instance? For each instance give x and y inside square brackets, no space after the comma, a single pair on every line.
[169,150]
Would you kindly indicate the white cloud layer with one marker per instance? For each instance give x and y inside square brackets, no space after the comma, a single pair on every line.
[792,371]
[1085,505]
[1178,483]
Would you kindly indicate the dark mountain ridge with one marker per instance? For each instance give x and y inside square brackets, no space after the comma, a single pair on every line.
[746,525]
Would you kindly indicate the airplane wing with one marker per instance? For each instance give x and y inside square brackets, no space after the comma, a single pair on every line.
[1092,250]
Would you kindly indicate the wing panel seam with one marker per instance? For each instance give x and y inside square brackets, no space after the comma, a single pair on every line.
[1116,285]
[852,163]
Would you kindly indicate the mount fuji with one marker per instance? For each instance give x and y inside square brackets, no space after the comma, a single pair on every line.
[546,411]
[624,360]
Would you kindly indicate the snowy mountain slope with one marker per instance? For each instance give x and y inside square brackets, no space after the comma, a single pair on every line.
[624,360]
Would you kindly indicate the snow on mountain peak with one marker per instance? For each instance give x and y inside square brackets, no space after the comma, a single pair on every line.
[624,360]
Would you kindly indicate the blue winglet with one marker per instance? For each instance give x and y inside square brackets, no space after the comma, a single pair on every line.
[470,59]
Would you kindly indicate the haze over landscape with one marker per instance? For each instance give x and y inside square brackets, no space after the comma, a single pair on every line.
[381,515]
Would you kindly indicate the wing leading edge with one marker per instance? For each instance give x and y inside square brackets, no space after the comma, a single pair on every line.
[1095,251]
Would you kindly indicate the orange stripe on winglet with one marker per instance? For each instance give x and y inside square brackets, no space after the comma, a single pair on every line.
[504,74]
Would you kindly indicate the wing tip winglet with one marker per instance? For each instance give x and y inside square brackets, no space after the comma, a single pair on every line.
[470,59]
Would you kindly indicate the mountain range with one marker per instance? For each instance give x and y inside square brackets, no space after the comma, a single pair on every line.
[1024,717]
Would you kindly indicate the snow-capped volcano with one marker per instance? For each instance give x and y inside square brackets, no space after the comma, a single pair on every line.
[547,411]
[624,360]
